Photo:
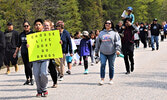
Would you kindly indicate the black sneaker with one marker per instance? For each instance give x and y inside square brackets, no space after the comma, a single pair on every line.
[68,72]
[127,73]
[61,78]
[32,81]
[157,48]
[153,49]
[27,82]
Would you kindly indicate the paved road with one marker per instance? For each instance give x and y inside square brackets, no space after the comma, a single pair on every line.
[147,82]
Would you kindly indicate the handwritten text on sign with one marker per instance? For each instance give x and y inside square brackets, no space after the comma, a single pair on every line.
[44,45]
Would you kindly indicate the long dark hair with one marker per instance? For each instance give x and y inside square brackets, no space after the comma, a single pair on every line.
[112,25]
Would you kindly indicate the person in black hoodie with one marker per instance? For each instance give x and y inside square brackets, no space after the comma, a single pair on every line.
[11,37]
[128,46]
[2,48]
[66,46]
[155,30]
[24,52]
[143,34]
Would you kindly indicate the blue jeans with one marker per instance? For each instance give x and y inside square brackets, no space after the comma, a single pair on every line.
[156,38]
[111,59]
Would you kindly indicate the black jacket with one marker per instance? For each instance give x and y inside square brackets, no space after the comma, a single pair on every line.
[155,29]
[11,39]
[2,40]
[22,42]
[2,48]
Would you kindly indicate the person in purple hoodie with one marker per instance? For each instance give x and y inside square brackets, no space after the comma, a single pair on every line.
[85,49]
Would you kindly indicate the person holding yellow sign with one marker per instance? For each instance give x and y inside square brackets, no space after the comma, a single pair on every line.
[40,67]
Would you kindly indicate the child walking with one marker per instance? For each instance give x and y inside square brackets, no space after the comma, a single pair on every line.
[85,49]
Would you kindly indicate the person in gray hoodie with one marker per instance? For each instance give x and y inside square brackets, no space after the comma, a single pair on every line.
[109,44]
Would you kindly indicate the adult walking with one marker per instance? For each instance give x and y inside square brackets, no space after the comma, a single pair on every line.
[22,42]
[155,30]
[128,46]
[48,26]
[109,44]
[2,48]
[11,38]
[143,34]
[66,46]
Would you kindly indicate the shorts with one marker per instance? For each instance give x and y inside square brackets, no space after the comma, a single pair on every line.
[68,59]
[9,58]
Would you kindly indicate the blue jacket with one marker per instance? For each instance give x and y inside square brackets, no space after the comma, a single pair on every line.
[67,45]
[165,28]
[85,47]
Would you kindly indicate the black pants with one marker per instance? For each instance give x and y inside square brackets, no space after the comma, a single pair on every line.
[27,65]
[143,40]
[128,50]
[162,37]
[137,43]
[85,58]
[53,72]
[129,57]
[9,58]
[2,53]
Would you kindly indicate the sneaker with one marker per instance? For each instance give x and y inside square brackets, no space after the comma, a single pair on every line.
[45,94]
[86,71]
[101,82]
[157,48]
[32,81]
[80,63]
[39,95]
[8,72]
[92,64]
[153,49]
[111,82]
[74,64]
[127,73]
[27,82]
[16,68]
[61,78]
[68,72]
[54,86]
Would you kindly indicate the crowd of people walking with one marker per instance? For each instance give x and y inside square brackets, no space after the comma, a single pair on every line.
[100,45]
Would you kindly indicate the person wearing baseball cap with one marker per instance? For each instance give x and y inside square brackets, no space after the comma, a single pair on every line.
[127,14]
[11,37]
[155,27]
[85,49]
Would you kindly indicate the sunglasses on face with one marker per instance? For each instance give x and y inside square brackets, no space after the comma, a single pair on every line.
[108,23]
[26,25]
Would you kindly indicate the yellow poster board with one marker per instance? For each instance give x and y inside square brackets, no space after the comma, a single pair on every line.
[44,45]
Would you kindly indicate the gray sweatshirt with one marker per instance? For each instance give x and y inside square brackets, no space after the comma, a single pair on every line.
[108,42]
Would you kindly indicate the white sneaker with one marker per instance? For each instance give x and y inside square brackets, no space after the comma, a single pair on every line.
[111,82]
[61,78]
[92,64]
[101,83]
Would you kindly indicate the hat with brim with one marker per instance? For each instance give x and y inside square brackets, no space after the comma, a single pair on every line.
[155,19]
[85,33]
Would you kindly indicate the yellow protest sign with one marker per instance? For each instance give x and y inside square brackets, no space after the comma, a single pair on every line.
[44,45]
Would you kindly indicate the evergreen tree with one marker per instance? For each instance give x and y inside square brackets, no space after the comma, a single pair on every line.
[15,11]
[91,14]
[68,12]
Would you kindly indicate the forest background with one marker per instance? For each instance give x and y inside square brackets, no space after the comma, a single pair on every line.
[79,15]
